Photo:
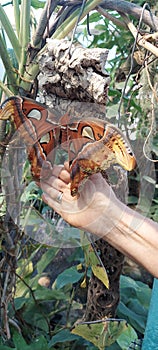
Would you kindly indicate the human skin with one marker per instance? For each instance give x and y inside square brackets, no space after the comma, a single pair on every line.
[98,211]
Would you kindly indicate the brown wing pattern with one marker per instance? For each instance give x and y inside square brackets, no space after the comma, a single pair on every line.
[92,144]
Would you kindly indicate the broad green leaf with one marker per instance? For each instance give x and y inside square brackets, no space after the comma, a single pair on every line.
[137,321]
[113,92]
[126,338]
[42,293]
[46,258]
[70,275]
[36,316]
[19,341]
[20,302]
[135,289]
[101,334]
[40,343]
[137,307]
[63,336]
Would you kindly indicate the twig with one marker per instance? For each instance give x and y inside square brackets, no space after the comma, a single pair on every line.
[15,325]
[152,123]
[101,321]
[150,84]
[151,36]
[133,10]
[137,36]
[110,17]
[140,39]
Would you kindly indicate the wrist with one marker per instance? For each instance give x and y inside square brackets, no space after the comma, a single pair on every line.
[110,213]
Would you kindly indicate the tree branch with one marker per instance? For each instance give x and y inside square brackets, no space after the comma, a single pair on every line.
[38,36]
[131,9]
[110,17]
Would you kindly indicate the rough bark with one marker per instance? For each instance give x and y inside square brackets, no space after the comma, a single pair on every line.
[76,83]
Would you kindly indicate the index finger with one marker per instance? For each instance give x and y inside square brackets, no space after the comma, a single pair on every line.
[61,172]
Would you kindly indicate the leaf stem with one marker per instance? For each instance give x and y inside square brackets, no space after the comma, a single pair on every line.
[17,15]
[24,36]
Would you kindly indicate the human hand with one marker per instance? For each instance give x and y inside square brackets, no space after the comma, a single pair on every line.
[95,210]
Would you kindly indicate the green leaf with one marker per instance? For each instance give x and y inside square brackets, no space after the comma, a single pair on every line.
[137,321]
[36,316]
[20,302]
[12,56]
[7,64]
[94,17]
[133,289]
[101,334]
[101,274]
[7,26]
[37,4]
[41,293]
[46,259]
[39,344]
[19,341]
[135,300]
[70,275]
[127,336]
[63,336]
[90,256]
[92,260]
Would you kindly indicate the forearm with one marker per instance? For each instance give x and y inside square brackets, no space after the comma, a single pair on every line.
[136,237]
[97,210]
